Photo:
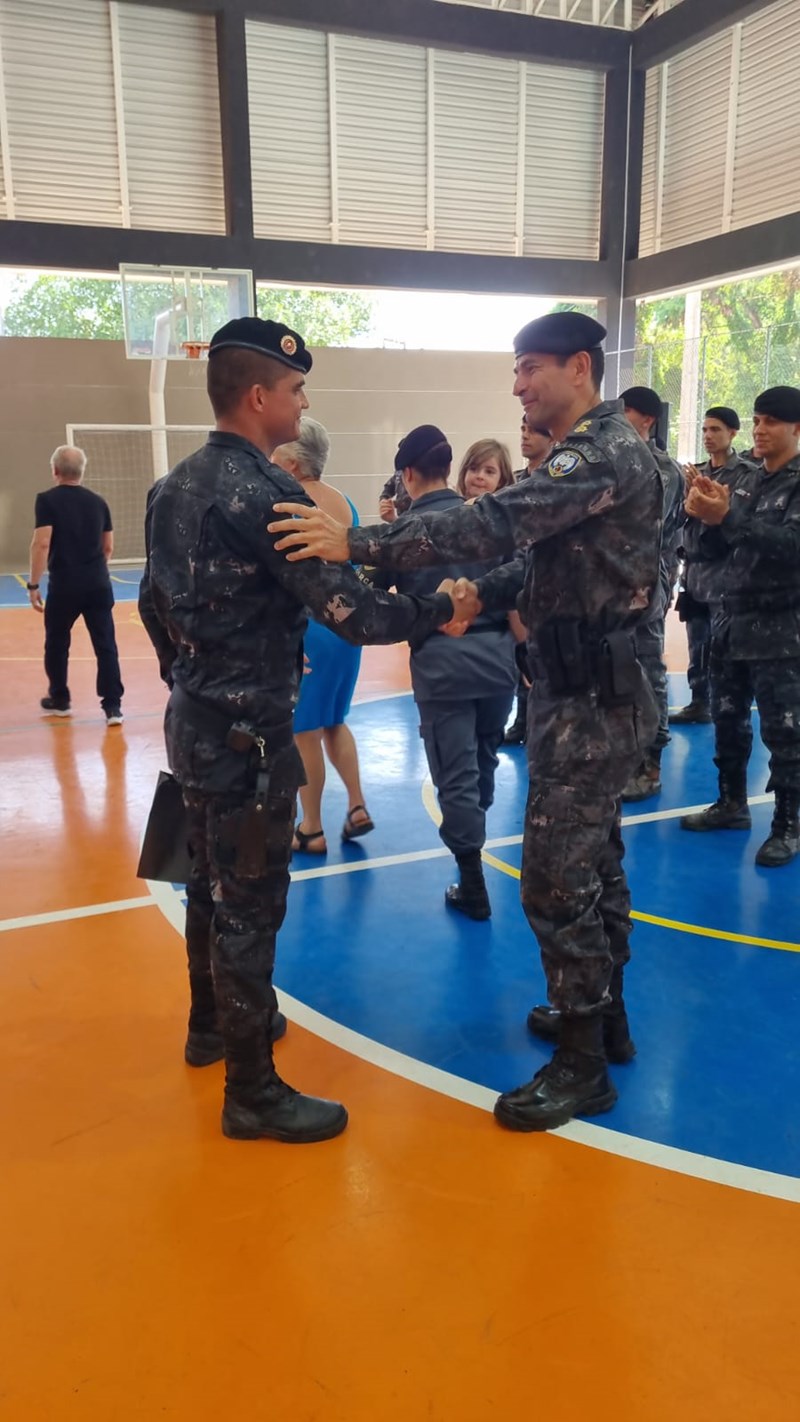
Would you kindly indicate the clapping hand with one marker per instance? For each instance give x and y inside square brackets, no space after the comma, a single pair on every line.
[708,500]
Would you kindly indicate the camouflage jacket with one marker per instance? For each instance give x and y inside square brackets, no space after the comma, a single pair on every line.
[760,581]
[704,565]
[231,606]
[591,515]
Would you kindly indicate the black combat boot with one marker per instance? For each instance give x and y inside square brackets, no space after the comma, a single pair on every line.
[697,713]
[469,895]
[258,1103]
[204,1046]
[647,780]
[517,731]
[730,811]
[574,1083]
[784,837]
[545,1022]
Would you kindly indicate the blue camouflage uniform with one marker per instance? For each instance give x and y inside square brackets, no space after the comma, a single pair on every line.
[232,611]
[592,517]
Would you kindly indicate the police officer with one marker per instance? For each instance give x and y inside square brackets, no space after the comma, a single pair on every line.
[592,518]
[701,575]
[536,445]
[233,610]
[755,636]
[643,408]
[463,686]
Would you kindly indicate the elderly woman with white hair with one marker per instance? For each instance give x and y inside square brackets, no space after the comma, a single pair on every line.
[332,667]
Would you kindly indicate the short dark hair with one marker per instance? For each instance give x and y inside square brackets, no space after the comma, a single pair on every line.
[232,372]
[597,364]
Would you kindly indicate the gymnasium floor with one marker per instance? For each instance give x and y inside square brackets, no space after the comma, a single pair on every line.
[426,1266]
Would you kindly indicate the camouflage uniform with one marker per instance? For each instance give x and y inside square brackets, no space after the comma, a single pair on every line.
[650,635]
[755,640]
[592,515]
[232,610]
[701,582]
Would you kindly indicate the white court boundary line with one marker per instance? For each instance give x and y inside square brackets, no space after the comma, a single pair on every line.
[682,1162]
[37,920]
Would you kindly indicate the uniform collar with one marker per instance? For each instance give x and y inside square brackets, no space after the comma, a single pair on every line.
[226,440]
[434,495]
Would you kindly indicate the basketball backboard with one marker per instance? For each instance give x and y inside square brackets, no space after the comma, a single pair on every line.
[171,313]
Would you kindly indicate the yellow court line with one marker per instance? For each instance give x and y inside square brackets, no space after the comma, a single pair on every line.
[675,924]
[22,581]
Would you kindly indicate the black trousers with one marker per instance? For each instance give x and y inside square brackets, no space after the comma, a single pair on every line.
[61,611]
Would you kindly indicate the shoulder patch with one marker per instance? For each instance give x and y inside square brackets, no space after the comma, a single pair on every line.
[563,463]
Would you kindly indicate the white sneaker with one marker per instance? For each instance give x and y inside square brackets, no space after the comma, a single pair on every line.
[114,716]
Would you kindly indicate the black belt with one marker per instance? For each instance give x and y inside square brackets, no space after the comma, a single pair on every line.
[202,717]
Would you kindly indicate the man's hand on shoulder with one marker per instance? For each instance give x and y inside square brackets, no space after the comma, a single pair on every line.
[309,533]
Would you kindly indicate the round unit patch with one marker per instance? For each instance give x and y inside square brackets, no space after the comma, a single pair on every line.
[563,463]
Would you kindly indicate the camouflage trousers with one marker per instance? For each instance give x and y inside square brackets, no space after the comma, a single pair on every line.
[775,685]
[573,886]
[654,668]
[231,926]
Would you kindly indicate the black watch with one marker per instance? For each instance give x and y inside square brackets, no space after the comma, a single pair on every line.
[32,587]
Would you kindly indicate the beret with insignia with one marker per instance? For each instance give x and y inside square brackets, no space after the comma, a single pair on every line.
[782,402]
[269,338]
[561,333]
[642,399]
[726,414]
[420,442]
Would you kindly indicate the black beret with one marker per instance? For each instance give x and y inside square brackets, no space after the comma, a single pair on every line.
[724,413]
[421,441]
[269,338]
[782,402]
[561,333]
[642,399]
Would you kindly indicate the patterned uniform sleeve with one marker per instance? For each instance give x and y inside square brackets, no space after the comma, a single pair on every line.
[332,592]
[581,485]
[155,629]
[779,541]
[499,590]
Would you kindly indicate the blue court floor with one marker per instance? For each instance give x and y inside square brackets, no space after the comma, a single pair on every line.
[713,989]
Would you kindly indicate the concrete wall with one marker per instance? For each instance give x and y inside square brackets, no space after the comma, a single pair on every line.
[367,400]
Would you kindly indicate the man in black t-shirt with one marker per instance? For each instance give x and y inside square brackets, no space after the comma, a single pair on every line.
[73,539]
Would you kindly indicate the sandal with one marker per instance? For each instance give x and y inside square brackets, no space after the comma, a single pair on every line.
[302,841]
[351,830]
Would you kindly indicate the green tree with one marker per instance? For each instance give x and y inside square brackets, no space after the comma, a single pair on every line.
[90,308]
[323,318]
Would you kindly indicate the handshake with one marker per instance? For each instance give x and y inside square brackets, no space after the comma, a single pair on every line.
[466,605]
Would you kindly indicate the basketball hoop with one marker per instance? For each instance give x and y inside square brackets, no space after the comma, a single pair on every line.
[194,349]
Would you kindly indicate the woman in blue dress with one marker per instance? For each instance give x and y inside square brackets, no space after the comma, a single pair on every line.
[331,668]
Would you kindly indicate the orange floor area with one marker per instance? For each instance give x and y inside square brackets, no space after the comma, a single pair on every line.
[425,1267]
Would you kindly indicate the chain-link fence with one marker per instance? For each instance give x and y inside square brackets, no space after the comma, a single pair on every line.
[728,368]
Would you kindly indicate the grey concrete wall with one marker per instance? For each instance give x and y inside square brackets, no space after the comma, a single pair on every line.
[367,400]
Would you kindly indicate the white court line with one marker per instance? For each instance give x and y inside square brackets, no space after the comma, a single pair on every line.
[683,1162]
[35,920]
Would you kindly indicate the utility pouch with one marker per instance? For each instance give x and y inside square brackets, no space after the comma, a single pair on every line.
[564,656]
[252,838]
[687,607]
[618,671]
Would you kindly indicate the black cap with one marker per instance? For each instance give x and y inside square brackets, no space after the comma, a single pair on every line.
[642,399]
[419,442]
[269,338]
[561,333]
[782,402]
[727,416]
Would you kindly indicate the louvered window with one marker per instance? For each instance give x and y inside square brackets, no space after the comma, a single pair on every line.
[650,163]
[381,110]
[563,161]
[475,144]
[766,172]
[289,132]
[170,92]
[404,146]
[59,89]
